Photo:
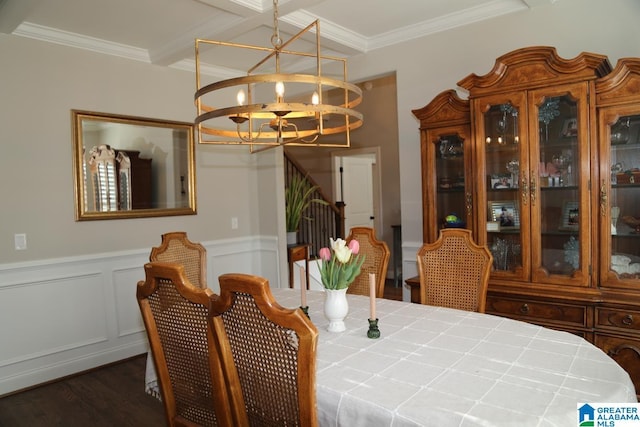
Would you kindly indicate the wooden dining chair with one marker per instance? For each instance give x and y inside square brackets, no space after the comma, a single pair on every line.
[176,247]
[273,349]
[376,261]
[193,385]
[454,271]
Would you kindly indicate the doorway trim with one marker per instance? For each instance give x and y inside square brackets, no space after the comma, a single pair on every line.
[376,191]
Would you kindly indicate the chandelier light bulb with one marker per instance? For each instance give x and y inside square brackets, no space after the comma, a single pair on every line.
[280,90]
[241,97]
[315,98]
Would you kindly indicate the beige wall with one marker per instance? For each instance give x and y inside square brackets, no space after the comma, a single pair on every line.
[40,83]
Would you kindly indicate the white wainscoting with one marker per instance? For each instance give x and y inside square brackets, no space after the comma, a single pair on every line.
[67,315]
[409,265]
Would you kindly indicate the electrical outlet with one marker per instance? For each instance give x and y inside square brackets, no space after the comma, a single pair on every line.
[234,223]
[20,242]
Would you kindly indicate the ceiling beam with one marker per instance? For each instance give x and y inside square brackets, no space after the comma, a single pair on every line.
[237,19]
[535,3]
[14,12]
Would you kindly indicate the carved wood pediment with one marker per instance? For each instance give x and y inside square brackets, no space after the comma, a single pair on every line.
[445,107]
[533,66]
[621,85]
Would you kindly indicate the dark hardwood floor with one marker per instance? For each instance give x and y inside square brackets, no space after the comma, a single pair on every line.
[105,397]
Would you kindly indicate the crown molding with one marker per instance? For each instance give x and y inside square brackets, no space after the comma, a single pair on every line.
[328,29]
[51,35]
[256,5]
[362,44]
[447,22]
[337,38]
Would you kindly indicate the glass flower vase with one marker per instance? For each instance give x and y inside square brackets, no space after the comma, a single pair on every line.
[336,308]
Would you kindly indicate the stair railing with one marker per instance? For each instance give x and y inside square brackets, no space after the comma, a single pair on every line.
[324,221]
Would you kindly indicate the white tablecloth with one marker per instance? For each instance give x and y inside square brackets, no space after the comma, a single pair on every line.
[443,367]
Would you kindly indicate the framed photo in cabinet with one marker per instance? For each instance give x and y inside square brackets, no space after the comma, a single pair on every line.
[505,213]
[570,128]
[501,181]
[570,216]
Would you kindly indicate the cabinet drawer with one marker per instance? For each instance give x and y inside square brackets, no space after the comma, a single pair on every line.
[618,318]
[536,311]
[625,351]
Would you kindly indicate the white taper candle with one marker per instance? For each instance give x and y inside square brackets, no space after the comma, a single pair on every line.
[372,296]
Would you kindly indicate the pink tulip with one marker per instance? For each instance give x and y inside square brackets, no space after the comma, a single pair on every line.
[354,246]
[325,254]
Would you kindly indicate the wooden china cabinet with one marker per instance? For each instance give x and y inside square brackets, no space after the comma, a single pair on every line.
[446,150]
[617,207]
[543,171]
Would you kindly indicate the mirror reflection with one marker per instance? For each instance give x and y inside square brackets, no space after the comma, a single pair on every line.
[128,167]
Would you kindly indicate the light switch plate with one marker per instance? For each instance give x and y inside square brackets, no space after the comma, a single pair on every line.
[20,241]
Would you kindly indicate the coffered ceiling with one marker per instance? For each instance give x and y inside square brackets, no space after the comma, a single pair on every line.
[162,32]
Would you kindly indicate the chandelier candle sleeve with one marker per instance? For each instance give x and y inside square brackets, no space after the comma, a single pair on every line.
[372,296]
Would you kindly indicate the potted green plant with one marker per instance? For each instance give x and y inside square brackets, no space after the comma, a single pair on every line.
[298,197]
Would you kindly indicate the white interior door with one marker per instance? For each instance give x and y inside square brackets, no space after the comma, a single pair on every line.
[356,184]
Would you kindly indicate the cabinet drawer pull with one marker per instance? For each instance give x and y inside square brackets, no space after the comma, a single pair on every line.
[627,320]
[524,309]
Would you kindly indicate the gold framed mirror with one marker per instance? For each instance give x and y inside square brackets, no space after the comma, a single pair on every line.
[132,167]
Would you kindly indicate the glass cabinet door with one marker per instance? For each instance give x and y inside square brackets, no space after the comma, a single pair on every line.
[559,196]
[537,197]
[449,204]
[502,128]
[620,199]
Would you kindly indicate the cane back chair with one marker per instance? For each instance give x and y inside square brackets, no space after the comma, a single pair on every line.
[273,349]
[454,271]
[176,247]
[185,351]
[376,261]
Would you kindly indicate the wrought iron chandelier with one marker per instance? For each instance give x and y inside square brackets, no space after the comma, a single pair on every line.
[263,117]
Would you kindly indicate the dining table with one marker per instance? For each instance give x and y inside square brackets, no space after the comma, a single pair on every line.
[436,366]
